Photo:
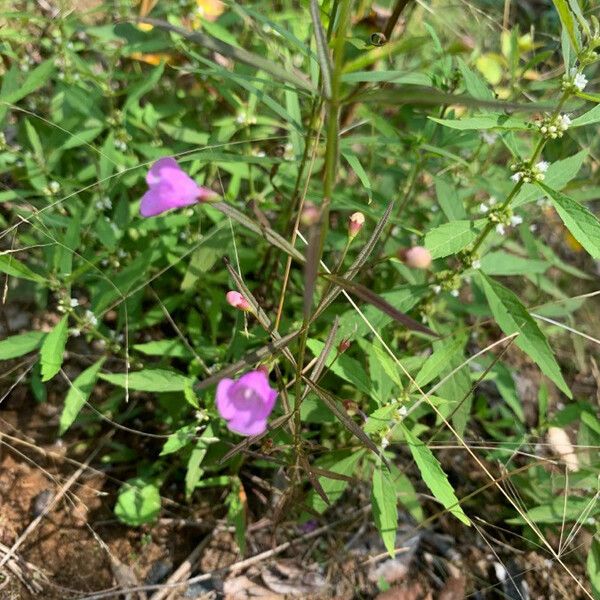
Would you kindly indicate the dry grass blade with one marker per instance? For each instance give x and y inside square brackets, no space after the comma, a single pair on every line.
[377,301]
[247,442]
[288,74]
[311,268]
[322,48]
[271,236]
[314,480]
[320,364]
[250,359]
[344,419]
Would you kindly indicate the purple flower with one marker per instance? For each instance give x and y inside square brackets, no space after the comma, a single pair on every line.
[246,403]
[170,187]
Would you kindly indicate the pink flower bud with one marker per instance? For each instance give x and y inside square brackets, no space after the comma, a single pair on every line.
[357,220]
[310,214]
[236,300]
[263,369]
[343,345]
[417,257]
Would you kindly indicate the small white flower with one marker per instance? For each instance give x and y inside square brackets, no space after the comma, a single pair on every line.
[579,80]
[500,229]
[476,264]
[74,332]
[533,228]
[517,176]
[437,289]
[516,220]
[74,302]
[90,317]
[483,208]
[563,122]
[54,186]
[454,293]
[385,443]
[489,137]
[402,411]
[542,166]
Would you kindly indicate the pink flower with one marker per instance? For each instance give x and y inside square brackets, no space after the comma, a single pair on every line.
[246,403]
[357,220]
[417,257]
[170,187]
[236,300]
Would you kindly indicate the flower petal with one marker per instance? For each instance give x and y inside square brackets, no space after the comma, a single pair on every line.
[154,174]
[156,200]
[243,427]
[223,400]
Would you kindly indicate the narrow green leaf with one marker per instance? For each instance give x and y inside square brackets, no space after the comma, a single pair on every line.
[568,22]
[587,118]
[36,79]
[78,394]
[480,122]
[504,263]
[148,380]
[18,345]
[512,317]
[15,268]
[385,507]
[438,362]
[452,237]
[583,224]
[194,470]
[434,477]
[474,84]
[593,566]
[53,348]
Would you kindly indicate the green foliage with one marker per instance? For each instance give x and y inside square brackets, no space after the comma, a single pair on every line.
[438,140]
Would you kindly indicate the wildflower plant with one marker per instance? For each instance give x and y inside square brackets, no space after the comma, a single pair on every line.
[311,246]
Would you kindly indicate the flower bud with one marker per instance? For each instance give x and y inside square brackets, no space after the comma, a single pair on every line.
[344,345]
[417,257]
[238,301]
[355,224]
[310,214]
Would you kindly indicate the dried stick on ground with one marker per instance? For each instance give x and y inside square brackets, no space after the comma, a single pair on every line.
[32,577]
[183,572]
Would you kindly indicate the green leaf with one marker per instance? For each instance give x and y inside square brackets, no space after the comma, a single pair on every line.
[53,348]
[172,348]
[334,488]
[448,199]
[11,266]
[512,317]
[452,237]
[479,122]
[434,477]
[474,84]
[78,394]
[18,345]
[36,79]
[593,566]
[591,116]
[138,502]
[583,224]
[178,440]
[559,173]
[148,380]
[438,362]
[145,85]
[385,507]
[322,48]
[503,263]
[568,22]
[194,470]
[559,511]
[236,514]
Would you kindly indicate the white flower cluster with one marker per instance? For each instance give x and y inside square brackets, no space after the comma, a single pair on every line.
[528,175]
[243,118]
[555,127]
[104,203]
[574,80]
